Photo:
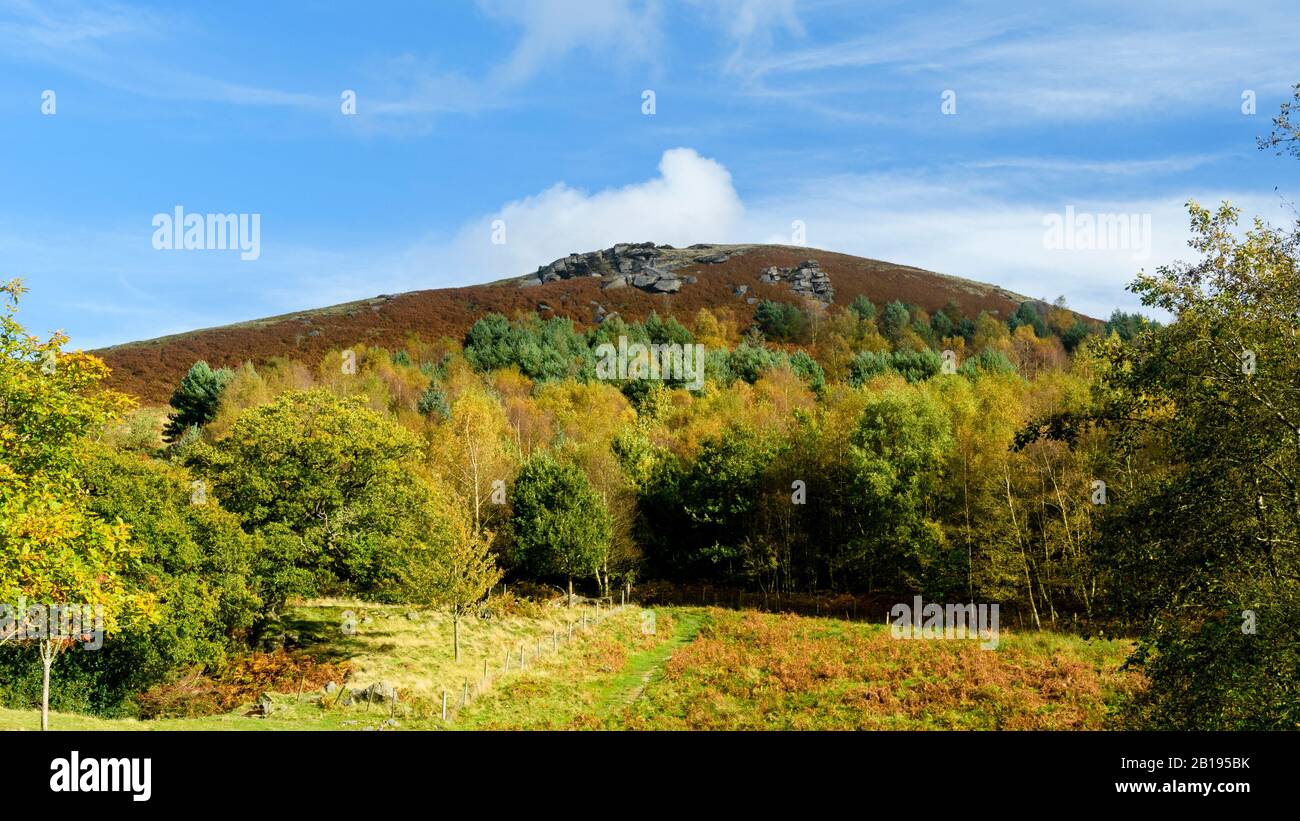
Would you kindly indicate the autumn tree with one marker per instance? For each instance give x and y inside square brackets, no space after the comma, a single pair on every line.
[474,451]
[55,553]
[453,569]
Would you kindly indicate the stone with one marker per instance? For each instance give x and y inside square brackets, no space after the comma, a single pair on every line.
[740,290]
[330,688]
[638,264]
[377,693]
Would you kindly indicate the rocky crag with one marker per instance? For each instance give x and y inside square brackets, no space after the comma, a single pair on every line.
[642,265]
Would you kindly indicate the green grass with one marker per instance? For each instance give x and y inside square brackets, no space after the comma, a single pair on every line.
[702,668]
[413,655]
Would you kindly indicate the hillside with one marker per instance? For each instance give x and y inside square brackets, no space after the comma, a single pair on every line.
[629,280]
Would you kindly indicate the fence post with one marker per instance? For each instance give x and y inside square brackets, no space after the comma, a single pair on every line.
[464,699]
[570,631]
[444,703]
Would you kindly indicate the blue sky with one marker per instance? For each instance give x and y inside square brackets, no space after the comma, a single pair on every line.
[767,113]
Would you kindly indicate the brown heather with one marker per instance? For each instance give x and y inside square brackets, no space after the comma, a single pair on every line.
[150,369]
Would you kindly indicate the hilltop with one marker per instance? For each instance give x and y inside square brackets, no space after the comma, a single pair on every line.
[630,280]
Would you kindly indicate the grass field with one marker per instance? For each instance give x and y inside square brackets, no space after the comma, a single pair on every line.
[701,668]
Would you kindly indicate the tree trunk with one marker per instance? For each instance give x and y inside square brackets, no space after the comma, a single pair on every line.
[47,659]
[570,591]
[455,635]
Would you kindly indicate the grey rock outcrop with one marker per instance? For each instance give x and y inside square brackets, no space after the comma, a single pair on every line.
[807,279]
[642,265]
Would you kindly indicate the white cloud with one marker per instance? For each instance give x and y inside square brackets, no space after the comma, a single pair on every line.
[973,225]
[752,25]
[691,200]
[1107,60]
[553,28]
[977,232]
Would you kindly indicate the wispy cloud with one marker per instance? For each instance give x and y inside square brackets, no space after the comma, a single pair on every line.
[1102,61]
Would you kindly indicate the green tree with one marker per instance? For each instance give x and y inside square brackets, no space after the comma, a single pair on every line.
[560,524]
[780,320]
[1203,541]
[334,488]
[897,453]
[54,550]
[195,398]
[894,321]
[188,555]
[862,307]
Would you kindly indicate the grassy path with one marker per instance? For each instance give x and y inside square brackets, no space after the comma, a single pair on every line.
[641,668]
[593,690]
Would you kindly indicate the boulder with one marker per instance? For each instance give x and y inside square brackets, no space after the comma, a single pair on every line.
[377,693]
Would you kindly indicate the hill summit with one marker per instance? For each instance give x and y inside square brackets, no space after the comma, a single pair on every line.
[628,279]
